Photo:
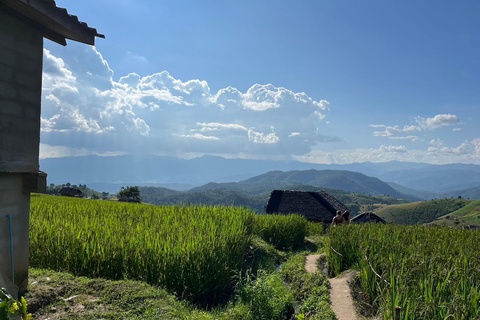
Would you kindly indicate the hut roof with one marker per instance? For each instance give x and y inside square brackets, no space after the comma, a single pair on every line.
[367,217]
[54,22]
[71,192]
[315,206]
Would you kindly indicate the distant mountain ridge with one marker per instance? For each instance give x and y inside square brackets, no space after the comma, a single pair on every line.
[332,179]
[113,172]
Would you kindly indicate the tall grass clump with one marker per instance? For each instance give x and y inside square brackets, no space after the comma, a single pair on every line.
[431,273]
[194,252]
[315,228]
[266,297]
[282,231]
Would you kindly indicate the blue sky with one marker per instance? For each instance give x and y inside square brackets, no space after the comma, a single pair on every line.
[316,81]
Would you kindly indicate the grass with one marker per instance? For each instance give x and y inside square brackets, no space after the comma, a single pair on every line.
[431,273]
[310,290]
[468,215]
[420,212]
[194,252]
[282,231]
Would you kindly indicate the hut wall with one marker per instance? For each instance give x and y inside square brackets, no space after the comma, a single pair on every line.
[21,51]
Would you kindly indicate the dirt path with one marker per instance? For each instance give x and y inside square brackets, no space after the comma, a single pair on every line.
[342,303]
[311,263]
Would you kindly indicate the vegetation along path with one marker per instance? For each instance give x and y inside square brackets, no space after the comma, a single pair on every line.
[342,303]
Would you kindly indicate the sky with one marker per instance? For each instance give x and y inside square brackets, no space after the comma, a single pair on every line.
[314,81]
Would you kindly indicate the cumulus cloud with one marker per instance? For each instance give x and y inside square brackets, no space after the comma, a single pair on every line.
[465,148]
[438,121]
[394,149]
[438,153]
[83,106]
[422,124]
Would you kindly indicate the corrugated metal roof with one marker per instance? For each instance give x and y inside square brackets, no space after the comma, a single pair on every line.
[55,23]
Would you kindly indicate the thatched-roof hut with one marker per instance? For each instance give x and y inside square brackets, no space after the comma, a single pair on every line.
[71,192]
[367,217]
[315,206]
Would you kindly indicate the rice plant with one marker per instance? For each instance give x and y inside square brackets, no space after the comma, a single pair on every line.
[282,231]
[194,251]
[431,273]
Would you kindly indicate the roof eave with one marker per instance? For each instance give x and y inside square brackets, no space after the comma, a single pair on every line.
[55,23]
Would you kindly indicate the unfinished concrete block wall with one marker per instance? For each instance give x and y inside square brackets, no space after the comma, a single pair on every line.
[21,53]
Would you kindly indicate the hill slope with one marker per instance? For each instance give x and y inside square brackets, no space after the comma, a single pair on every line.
[333,179]
[421,212]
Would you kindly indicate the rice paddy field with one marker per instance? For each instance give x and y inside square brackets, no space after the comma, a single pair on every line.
[195,252]
[431,273]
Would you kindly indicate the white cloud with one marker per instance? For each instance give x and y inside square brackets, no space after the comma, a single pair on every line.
[438,121]
[394,149]
[438,153]
[423,124]
[259,137]
[200,136]
[83,106]
[48,151]
[465,148]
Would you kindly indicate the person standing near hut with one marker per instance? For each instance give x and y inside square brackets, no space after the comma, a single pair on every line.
[338,219]
[346,217]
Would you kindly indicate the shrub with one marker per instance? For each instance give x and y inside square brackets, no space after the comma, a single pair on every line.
[10,308]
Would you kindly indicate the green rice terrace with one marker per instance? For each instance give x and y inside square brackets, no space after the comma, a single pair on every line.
[106,260]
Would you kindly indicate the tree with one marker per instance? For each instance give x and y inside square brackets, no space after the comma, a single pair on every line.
[129,194]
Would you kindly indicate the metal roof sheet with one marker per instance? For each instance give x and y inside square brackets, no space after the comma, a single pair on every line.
[55,23]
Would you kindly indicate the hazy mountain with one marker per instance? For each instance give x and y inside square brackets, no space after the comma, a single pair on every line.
[435,179]
[113,172]
[332,179]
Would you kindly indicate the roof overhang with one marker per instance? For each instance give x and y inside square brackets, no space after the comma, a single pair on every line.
[55,23]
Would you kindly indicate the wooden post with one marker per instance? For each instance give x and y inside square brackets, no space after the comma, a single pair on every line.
[396,316]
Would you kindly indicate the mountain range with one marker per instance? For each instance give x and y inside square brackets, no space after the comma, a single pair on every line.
[406,179]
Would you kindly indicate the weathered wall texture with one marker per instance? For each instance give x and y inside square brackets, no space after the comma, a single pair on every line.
[21,54]
[21,50]
[17,205]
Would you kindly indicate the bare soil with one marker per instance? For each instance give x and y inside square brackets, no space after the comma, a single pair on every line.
[340,295]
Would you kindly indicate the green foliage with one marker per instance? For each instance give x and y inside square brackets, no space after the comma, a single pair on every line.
[282,231]
[432,273]
[266,297]
[192,251]
[55,189]
[130,194]
[11,308]
[420,212]
[467,215]
[315,228]
[311,290]
[249,195]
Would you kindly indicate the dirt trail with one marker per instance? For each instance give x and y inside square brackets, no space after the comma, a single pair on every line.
[342,303]
[311,263]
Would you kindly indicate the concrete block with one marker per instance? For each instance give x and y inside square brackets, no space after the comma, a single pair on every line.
[29,65]
[31,49]
[5,73]
[32,111]
[7,91]
[8,57]
[7,40]
[26,79]
[29,95]
[10,108]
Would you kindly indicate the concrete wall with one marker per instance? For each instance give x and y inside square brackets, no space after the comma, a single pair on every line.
[21,53]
